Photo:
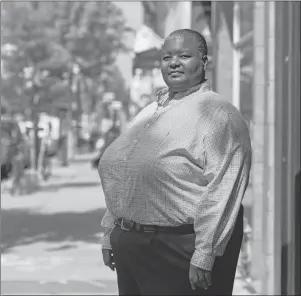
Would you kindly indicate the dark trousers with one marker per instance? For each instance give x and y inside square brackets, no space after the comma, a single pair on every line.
[158,263]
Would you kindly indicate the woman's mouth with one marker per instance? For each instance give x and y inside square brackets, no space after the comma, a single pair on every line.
[175,73]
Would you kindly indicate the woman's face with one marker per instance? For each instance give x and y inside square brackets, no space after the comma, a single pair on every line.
[181,63]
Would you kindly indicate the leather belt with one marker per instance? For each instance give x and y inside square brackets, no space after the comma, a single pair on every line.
[129,225]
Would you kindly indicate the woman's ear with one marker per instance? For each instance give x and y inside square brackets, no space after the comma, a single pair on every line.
[205,61]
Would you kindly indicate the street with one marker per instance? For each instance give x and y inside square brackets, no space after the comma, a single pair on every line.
[51,239]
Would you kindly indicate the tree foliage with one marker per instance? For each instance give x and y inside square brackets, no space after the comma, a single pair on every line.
[44,42]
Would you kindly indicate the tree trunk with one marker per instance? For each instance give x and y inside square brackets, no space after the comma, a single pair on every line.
[35,139]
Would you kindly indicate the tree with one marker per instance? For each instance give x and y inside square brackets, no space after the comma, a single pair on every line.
[45,42]
[32,46]
[93,34]
[49,38]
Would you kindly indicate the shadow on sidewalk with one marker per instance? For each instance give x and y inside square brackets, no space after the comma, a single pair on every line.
[73,287]
[25,227]
[61,185]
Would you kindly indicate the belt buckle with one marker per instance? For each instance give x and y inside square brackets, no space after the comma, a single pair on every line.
[149,229]
[123,227]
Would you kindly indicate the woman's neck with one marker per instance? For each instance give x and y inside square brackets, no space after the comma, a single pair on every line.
[185,92]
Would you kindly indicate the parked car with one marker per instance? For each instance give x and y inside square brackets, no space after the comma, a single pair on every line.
[11,136]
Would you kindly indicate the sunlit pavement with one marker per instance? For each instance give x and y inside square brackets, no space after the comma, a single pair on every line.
[51,240]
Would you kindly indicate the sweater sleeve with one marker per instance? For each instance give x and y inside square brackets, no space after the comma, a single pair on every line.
[228,162]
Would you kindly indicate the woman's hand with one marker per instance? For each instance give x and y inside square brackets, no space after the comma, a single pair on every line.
[199,278]
[108,258]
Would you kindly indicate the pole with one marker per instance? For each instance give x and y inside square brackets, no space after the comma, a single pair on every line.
[35,138]
[236,56]
[34,141]
[214,44]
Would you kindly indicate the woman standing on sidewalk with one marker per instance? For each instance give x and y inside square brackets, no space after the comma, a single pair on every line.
[174,183]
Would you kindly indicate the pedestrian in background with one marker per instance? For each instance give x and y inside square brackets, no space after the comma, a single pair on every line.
[174,183]
[108,137]
[114,131]
[48,150]
[18,166]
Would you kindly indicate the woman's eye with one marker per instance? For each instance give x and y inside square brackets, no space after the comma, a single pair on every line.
[166,58]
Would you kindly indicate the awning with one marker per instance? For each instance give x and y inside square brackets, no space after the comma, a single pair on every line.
[147,39]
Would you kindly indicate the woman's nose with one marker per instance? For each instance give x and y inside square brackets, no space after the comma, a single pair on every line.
[174,62]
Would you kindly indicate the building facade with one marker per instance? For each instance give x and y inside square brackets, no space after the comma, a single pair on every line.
[276,146]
